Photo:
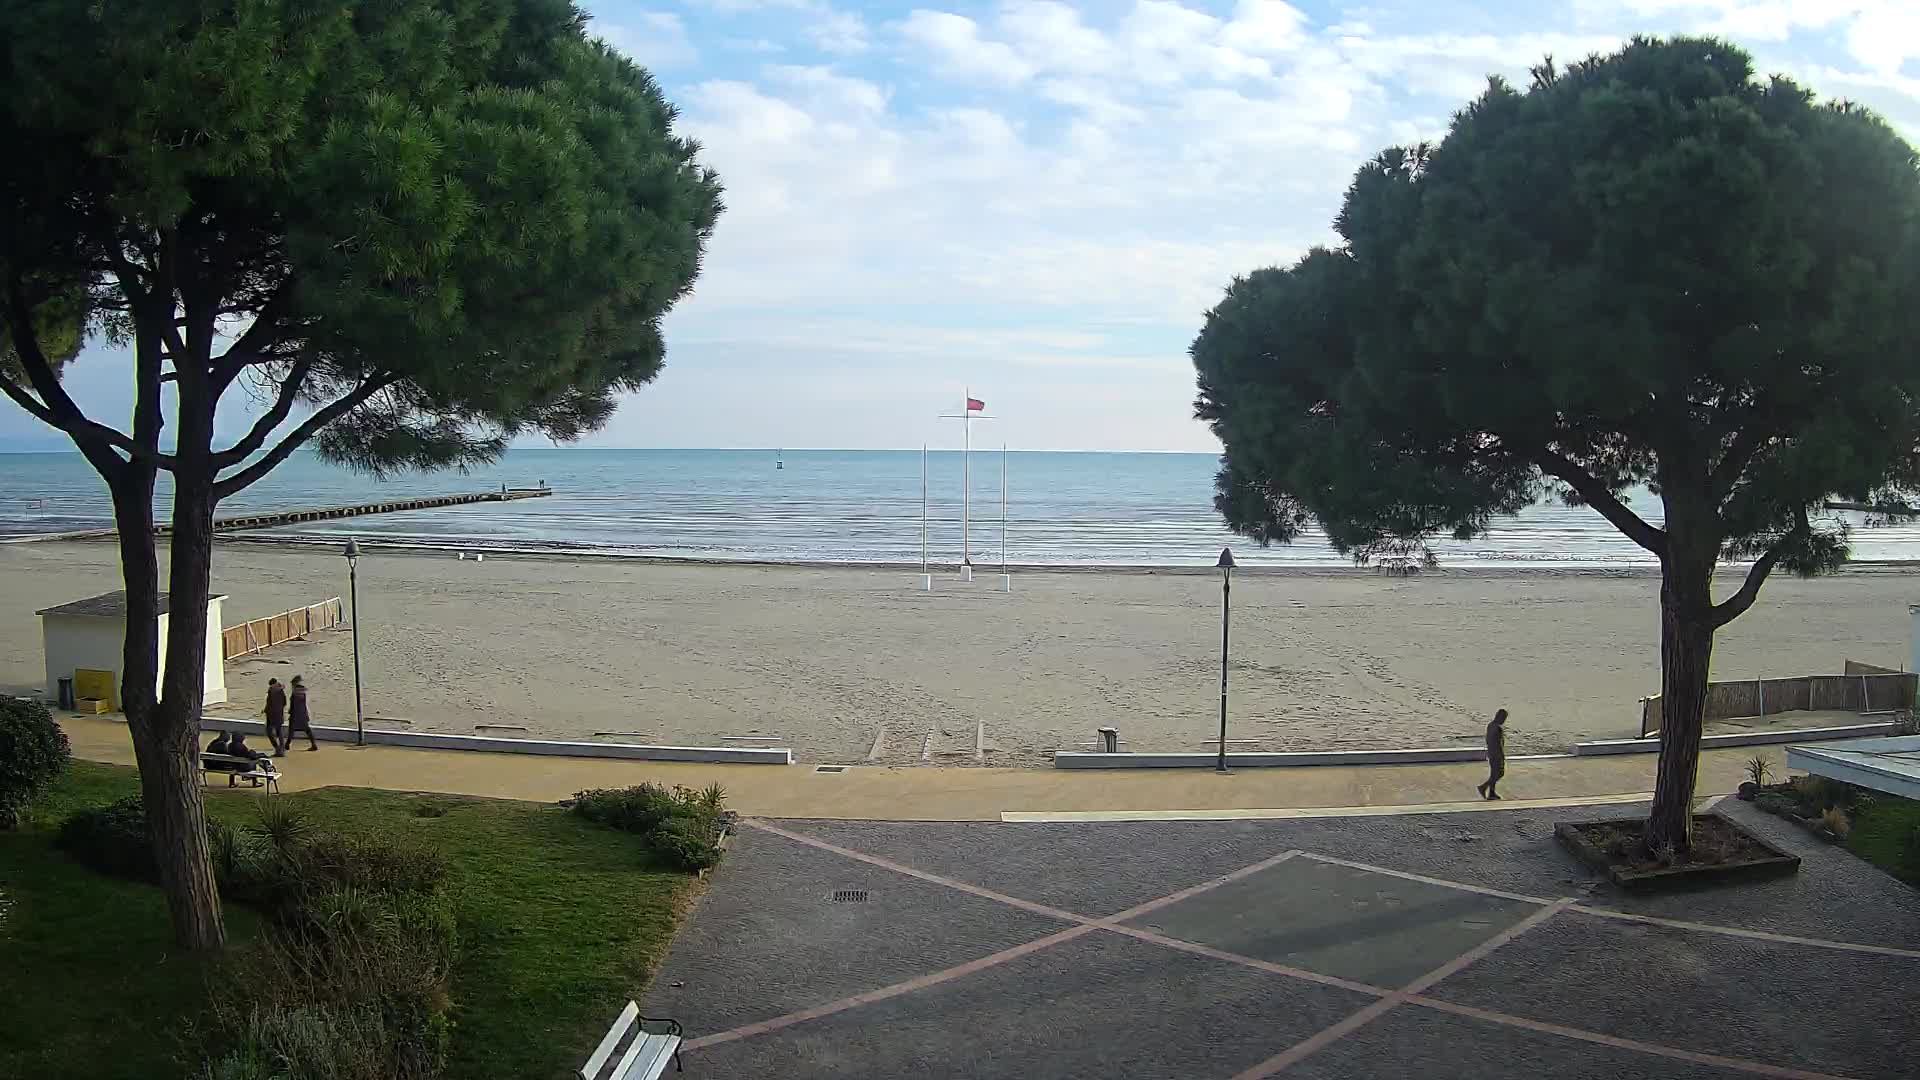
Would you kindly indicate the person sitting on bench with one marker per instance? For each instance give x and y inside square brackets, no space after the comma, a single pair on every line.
[237,746]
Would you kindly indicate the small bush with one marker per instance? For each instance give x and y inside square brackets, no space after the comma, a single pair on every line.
[686,844]
[680,828]
[378,866]
[1758,770]
[1776,804]
[1834,819]
[111,839]
[33,753]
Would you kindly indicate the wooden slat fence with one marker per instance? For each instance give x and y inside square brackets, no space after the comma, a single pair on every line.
[252,637]
[1864,689]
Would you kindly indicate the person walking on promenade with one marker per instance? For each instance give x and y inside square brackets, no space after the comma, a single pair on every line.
[276,711]
[298,719]
[1496,755]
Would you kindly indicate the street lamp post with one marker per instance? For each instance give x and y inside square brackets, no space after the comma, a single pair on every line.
[353,595]
[1226,622]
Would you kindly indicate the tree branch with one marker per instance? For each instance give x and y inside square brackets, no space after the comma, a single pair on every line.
[282,406]
[262,333]
[1596,495]
[1740,452]
[1736,605]
[246,477]
[55,408]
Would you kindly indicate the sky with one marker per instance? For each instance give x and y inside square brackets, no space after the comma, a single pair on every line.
[1038,201]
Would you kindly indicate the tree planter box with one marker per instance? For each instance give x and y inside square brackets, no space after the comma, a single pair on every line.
[1770,862]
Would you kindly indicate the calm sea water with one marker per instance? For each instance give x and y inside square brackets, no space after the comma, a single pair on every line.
[836,506]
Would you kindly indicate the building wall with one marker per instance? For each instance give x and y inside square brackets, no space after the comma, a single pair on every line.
[84,641]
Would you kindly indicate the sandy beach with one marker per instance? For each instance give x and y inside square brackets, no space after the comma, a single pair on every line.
[832,661]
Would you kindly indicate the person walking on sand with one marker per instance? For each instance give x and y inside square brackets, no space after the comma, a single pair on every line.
[1496,755]
[276,711]
[298,719]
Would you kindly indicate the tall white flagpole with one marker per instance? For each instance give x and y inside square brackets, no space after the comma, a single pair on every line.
[966,480]
[1003,509]
[923,508]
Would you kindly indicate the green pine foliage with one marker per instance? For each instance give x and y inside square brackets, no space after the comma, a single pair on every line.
[33,754]
[1650,269]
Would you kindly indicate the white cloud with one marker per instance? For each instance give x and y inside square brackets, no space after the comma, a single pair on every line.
[839,32]
[655,40]
[956,46]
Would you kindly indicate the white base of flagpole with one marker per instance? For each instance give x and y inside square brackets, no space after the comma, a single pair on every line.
[1006,582]
[926,582]
[966,573]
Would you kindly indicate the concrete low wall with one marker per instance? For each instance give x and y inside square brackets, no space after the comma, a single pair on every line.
[1754,738]
[1243,759]
[726,755]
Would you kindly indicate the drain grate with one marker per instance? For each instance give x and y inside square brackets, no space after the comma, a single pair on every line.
[850,896]
[829,768]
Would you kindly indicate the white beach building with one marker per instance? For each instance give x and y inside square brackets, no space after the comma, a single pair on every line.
[84,639]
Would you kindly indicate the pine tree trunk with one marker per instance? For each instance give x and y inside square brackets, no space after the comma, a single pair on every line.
[165,737]
[1686,656]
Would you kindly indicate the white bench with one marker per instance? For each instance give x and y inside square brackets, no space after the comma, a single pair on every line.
[646,1053]
[256,771]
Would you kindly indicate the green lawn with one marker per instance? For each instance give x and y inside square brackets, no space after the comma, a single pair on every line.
[1880,836]
[560,924]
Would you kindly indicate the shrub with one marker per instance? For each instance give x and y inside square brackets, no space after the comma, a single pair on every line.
[1834,819]
[1758,770]
[686,844]
[33,753]
[680,828]
[1777,804]
[379,866]
[111,839]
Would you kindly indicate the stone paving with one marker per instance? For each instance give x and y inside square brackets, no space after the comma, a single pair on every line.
[1433,946]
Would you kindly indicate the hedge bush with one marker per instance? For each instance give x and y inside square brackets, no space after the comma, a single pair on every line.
[33,754]
[679,829]
[111,839]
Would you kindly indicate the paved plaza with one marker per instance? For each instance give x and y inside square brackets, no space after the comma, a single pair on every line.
[1433,946]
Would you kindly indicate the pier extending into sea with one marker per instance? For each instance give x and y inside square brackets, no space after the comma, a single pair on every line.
[278,518]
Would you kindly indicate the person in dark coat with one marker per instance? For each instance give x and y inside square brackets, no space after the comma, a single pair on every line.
[237,746]
[276,711]
[298,719]
[1496,755]
[222,744]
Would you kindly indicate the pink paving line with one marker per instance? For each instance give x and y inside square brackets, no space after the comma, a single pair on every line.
[1758,1068]
[1389,999]
[1085,926]
[1255,963]
[1442,882]
[893,990]
[1326,1037]
[912,872]
[1756,935]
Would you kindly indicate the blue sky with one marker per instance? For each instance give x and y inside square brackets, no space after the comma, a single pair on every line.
[1039,200]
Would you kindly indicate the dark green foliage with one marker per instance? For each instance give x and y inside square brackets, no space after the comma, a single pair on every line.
[558,926]
[1648,269]
[680,829]
[111,839]
[33,754]
[463,217]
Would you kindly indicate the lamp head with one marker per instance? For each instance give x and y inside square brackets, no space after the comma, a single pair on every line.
[353,550]
[1226,559]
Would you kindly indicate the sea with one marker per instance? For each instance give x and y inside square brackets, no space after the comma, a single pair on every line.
[834,506]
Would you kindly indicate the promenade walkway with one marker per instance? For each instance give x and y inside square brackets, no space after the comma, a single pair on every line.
[972,794]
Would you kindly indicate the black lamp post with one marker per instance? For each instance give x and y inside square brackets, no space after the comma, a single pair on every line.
[353,594]
[1226,622]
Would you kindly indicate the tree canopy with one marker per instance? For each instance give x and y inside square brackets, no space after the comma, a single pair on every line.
[401,231]
[1649,268]
[426,225]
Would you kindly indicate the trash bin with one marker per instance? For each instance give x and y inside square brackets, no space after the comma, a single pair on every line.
[66,692]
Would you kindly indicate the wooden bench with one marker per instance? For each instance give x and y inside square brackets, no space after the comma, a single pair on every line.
[645,1055]
[256,771]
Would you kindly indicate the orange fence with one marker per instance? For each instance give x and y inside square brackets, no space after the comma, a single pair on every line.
[251,637]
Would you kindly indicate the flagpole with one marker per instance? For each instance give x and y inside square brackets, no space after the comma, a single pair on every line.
[966,481]
[923,508]
[1003,509]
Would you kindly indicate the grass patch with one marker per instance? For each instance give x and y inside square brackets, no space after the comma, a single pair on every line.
[1886,833]
[559,923]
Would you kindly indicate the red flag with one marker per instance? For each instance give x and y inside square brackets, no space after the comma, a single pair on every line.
[974,404]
